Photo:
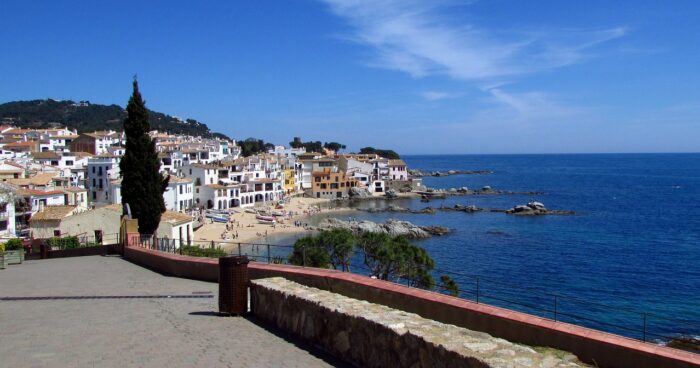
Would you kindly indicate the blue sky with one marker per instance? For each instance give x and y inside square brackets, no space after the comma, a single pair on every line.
[416,76]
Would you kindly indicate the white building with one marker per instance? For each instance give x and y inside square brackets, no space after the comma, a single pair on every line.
[397,170]
[101,170]
[178,196]
[7,214]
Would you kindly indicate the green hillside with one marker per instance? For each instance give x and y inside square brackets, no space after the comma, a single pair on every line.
[87,117]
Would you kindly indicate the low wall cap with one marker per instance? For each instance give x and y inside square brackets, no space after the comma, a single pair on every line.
[233,260]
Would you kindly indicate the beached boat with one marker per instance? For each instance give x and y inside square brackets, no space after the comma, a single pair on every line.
[267,220]
[277,213]
[217,218]
[250,210]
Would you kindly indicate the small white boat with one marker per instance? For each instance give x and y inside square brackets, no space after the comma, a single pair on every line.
[267,222]
[277,213]
[217,218]
[250,210]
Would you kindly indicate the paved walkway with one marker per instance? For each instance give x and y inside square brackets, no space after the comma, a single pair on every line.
[128,332]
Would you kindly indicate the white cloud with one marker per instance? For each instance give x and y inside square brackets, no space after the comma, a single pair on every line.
[415,38]
[438,95]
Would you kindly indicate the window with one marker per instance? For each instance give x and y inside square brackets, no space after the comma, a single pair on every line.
[180,189]
[69,162]
[93,169]
[100,171]
[94,182]
[94,195]
[57,233]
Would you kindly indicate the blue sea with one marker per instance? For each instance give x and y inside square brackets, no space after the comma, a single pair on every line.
[627,262]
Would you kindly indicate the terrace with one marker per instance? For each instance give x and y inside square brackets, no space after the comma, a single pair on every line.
[105,311]
[142,318]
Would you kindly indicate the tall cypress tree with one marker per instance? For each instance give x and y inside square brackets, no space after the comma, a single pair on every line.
[142,183]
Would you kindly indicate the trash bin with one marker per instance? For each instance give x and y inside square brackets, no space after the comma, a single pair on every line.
[233,285]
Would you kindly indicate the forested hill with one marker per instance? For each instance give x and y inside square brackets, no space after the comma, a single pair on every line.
[87,117]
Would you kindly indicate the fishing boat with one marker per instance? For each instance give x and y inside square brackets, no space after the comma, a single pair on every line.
[217,218]
[266,220]
[250,210]
[277,213]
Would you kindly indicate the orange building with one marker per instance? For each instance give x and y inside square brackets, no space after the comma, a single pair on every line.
[329,184]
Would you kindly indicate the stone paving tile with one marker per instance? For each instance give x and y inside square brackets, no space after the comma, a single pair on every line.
[168,332]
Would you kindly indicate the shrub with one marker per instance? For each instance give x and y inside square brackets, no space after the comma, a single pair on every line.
[14,244]
[195,251]
[2,247]
[68,242]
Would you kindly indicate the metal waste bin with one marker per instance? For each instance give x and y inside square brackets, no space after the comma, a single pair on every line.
[233,285]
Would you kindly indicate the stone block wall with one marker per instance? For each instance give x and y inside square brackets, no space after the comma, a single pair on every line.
[372,335]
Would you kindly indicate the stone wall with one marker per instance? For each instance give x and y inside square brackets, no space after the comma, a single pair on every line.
[373,335]
[594,347]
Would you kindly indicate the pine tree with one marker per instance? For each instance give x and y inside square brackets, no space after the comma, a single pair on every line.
[142,183]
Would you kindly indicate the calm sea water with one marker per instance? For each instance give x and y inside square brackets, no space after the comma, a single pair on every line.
[633,246]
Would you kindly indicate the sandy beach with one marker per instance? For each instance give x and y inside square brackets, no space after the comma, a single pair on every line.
[244,228]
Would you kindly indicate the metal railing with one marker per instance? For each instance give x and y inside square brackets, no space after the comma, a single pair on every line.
[636,324]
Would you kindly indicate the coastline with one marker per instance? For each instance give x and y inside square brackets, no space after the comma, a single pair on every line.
[248,230]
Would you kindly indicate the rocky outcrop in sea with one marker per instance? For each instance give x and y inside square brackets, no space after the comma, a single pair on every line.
[535,209]
[391,227]
[419,173]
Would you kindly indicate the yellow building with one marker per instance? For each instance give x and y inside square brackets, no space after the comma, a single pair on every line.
[289,180]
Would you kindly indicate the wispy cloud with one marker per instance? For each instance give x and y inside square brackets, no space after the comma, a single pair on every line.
[438,95]
[528,107]
[417,38]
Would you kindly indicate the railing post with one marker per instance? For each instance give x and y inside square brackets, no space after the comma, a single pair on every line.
[239,249]
[303,256]
[268,253]
[555,308]
[477,290]
[644,329]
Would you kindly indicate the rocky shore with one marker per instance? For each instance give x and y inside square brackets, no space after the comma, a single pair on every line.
[464,191]
[391,227]
[687,343]
[531,209]
[419,173]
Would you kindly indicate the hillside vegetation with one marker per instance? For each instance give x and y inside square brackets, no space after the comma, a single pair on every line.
[87,117]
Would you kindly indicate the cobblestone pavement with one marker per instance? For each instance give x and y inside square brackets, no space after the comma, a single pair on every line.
[128,332]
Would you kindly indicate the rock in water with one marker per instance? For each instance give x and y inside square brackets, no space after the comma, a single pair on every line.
[691,344]
[391,227]
[436,230]
[390,193]
[356,192]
